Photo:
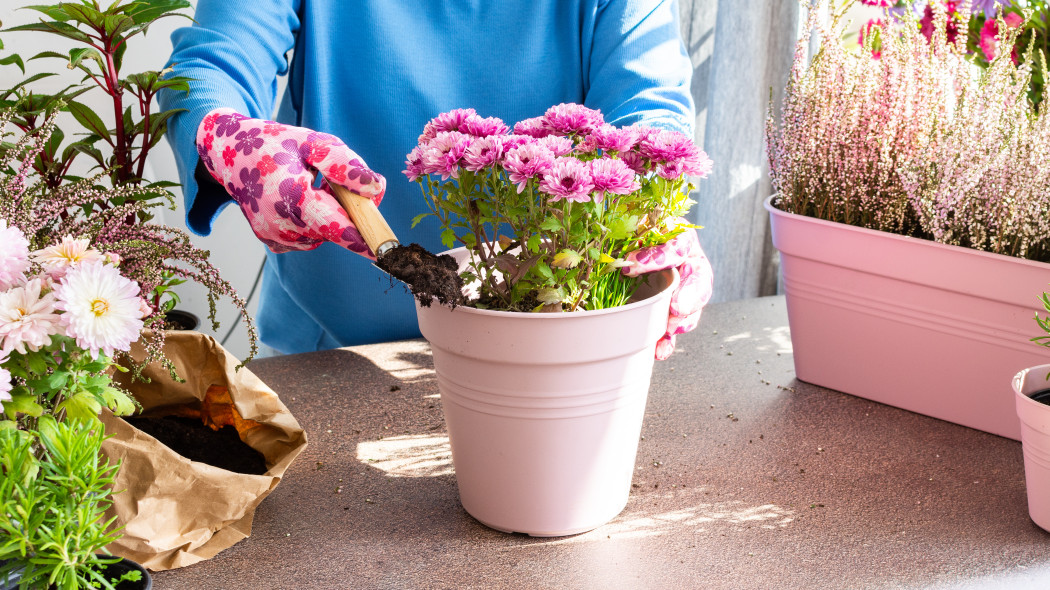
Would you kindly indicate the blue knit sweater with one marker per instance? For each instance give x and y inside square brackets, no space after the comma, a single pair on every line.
[373,72]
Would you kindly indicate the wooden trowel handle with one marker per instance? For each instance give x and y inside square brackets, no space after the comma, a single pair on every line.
[367,218]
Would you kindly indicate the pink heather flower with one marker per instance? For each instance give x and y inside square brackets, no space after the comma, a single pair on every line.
[568,179]
[27,319]
[527,162]
[482,153]
[414,164]
[561,146]
[612,176]
[69,253]
[102,308]
[449,121]
[14,256]
[5,381]
[444,154]
[990,34]
[611,139]
[571,119]
[483,127]
[879,3]
[532,127]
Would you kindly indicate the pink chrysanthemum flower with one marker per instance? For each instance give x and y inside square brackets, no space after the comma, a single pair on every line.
[449,121]
[611,139]
[561,146]
[990,34]
[568,179]
[102,310]
[515,140]
[14,256]
[571,119]
[532,127]
[483,127]
[444,154]
[27,319]
[634,161]
[482,153]
[611,176]
[667,146]
[71,252]
[527,162]
[414,167]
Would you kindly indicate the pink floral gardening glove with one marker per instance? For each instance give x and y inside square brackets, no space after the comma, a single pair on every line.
[694,291]
[268,169]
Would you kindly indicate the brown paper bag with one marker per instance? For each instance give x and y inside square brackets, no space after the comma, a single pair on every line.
[176,512]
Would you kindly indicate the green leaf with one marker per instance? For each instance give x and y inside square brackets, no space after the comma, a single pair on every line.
[418,218]
[77,55]
[56,28]
[82,406]
[533,244]
[551,224]
[84,148]
[116,25]
[58,379]
[118,401]
[22,404]
[55,12]
[37,364]
[14,58]
[567,259]
[448,238]
[149,11]
[87,117]
[544,270]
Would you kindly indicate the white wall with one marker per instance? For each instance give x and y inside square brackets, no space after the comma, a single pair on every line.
[234,249]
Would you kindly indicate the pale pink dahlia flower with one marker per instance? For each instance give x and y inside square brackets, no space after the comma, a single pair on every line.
[27,319]
[102,310]
[14,256]
[70,252]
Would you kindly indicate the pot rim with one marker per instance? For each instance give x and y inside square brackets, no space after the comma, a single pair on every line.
[1018,385]
[773,210]
[527,316]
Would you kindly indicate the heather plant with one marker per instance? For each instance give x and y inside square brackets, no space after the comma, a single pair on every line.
[552,210]
[113,205]
[919,142]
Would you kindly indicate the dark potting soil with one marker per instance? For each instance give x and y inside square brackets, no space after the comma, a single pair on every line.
[428,275]
[1042,396]
[190,438]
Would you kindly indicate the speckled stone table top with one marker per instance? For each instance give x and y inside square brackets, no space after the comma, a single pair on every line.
[745,478]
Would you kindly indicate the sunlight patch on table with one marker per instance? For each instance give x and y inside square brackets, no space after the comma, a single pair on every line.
[777,339]
[408,456]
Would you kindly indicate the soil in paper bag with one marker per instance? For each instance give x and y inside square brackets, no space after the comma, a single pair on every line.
[209,433]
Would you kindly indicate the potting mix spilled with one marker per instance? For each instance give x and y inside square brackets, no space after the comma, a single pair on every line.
[429,276]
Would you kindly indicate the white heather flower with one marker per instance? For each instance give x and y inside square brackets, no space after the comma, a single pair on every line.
[14,256]
[70,253]
[27,319]
[102,308]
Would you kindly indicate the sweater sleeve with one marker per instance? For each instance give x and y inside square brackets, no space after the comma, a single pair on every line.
[639,71]
[233,53]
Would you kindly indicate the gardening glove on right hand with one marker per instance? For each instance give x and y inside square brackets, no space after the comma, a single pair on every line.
[268,169]
[684,253]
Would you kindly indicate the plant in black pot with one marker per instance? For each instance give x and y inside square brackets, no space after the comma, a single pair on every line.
[53,495]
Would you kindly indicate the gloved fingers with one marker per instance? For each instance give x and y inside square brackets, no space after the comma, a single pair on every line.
[341,165]
[670,254]
[675,325]
[695,286]
[328,221]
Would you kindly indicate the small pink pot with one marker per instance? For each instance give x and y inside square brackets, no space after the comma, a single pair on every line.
[1035,440]
[928,327]
[544,411]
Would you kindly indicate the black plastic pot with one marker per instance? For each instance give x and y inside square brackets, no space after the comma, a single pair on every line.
[111,571]
[178,319]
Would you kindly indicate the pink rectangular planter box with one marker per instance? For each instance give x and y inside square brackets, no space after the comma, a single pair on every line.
[934,329]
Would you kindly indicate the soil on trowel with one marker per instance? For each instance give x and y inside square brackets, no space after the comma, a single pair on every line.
[190,438]
[428,275]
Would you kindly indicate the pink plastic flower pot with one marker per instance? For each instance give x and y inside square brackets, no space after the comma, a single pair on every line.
[544,411]
[1035,440]
[927,327]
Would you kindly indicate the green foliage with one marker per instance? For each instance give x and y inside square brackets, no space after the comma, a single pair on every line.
[117,147]
[1044,323]
[53,496]
[532,253]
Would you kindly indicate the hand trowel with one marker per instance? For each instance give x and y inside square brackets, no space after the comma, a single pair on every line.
[428,275]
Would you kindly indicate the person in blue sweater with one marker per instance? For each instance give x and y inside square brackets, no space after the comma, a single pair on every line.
[371,73]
